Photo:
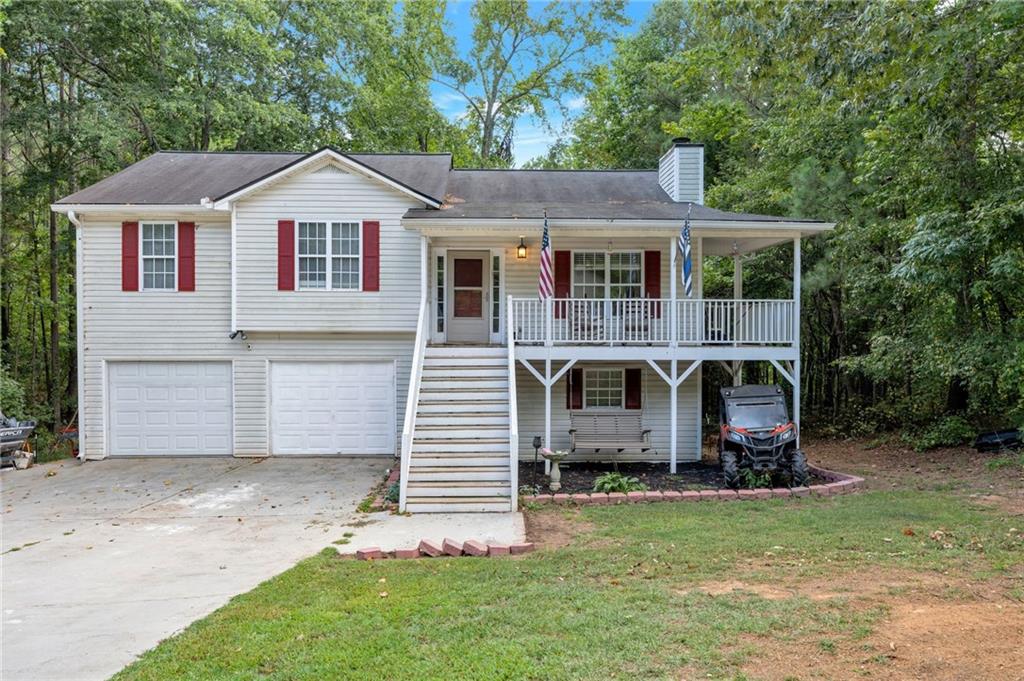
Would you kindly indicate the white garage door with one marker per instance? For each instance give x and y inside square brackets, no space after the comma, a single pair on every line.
[170,408]
[332,407]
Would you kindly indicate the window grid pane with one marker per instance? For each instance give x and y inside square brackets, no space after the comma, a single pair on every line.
[496,294]
[439,283]
[158,250]
[345,273]
[589,275]
[603,389]
[313,272]
[624,276]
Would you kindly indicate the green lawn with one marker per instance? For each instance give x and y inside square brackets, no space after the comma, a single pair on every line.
[624,601]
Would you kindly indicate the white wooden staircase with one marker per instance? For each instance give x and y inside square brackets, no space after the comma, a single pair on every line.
[459,458]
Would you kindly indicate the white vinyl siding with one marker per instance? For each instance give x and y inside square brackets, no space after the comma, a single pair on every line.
[327,194]
[122,326]
[159,255]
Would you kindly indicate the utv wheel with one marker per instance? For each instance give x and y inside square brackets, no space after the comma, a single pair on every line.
[730,470]
[798,469]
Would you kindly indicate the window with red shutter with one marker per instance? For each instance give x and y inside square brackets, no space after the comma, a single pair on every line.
[652,280]
[285,255]
[371,255]
[129,256]
[574,389]
[186,256]
[634,394]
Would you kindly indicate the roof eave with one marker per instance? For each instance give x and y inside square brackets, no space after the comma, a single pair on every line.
[224,201]
[141,208]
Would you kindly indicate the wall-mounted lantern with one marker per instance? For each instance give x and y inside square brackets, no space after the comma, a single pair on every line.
[521,249]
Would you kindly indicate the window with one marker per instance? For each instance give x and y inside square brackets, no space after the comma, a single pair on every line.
[604,389]
[158,255]
[439,283]
[607,275]
[496,294]
[339,254]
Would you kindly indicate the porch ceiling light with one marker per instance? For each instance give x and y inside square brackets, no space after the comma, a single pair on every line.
[521,249]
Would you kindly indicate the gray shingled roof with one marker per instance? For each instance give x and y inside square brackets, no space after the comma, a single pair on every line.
[568,194]
[185,177]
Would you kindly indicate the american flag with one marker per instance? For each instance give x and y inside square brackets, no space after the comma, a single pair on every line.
[547,280]
[684,249]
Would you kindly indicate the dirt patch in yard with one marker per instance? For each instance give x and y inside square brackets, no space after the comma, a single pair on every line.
[935,627]
[987,477]
[554,529]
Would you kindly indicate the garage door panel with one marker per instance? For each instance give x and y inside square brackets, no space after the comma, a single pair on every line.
[170,408]
[332,408]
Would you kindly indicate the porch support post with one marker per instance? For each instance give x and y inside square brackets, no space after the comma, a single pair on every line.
[547,413]
[796,336]
[673,312]
[674,387]
[737,294]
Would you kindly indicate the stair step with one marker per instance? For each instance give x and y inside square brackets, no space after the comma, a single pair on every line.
[497,361]
[456,384]
[443,406]
[459,434]
[455,473]
[458,489]
[466,460]
[458,505]
[466,351]
[462,419]
[464,373]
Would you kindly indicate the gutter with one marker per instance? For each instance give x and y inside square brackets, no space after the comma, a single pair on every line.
[79,330]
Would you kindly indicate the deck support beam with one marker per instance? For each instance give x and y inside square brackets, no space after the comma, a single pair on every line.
[796,336]
[674,379]
[547,380]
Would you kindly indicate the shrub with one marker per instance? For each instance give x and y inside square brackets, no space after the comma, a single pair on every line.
[948,431]
[617,482]
[393,493]
[753,480]
[12,395]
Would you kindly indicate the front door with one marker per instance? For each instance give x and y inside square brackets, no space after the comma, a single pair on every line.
[467,315]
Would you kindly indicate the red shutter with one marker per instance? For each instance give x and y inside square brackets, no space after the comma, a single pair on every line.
[652,280]
[129,256]
[563,279]
[633,394]
[574,389]
[186,256]
[371,255]
[285,255]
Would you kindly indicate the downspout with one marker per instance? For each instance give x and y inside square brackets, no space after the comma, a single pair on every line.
[79,331]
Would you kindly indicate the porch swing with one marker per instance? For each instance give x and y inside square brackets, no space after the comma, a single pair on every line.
[597,430]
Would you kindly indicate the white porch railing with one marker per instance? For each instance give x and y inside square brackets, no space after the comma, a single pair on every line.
[649,321]
[415,376]
[513,416]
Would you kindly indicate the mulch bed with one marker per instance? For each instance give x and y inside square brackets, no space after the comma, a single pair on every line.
[578,476]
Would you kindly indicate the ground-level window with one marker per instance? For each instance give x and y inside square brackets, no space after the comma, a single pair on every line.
[607,275]
[158,255]
[339,253]
[604,389]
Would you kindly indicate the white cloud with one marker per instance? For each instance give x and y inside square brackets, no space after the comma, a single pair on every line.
[576,103]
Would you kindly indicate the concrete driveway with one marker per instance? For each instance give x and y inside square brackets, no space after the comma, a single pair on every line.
[103,560]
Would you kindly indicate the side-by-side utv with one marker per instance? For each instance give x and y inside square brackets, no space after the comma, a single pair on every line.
[755,433]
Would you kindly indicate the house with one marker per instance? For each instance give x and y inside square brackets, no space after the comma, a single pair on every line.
[255,304]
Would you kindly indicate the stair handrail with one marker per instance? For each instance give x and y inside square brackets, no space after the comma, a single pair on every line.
[415,376]
[513,419]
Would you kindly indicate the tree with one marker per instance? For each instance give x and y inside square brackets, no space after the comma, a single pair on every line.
[519,62]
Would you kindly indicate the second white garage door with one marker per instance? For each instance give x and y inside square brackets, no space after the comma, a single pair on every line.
[332,408]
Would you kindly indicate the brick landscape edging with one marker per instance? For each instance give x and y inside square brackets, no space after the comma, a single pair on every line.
[837,483]
[449,548]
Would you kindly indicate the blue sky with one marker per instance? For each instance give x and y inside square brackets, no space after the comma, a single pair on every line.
[531,138]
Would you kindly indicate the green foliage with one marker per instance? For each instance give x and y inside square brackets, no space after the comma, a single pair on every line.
[617,482]
[12,395]
[393,492]
[752,479]
[948,431]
